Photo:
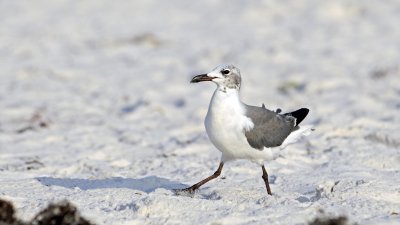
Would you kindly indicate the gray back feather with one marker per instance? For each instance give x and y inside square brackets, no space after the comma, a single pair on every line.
[270,128]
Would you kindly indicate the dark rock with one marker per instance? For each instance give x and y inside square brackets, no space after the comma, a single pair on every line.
[341,220]
[7,214]
[63,213]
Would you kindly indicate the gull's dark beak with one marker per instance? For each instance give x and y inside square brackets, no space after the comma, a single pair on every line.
[200,78]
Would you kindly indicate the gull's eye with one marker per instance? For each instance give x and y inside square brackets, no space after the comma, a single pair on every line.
[225,71]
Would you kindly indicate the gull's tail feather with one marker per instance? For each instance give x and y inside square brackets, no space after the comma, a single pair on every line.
[297,135]
[299,114]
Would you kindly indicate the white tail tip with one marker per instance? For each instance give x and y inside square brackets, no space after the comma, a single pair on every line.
[297,135]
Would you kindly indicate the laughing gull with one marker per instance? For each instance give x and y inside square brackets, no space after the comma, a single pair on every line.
[241,131]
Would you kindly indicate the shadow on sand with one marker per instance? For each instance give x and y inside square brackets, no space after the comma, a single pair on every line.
[146,184]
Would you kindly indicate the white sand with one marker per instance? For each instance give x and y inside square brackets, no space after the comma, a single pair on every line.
[111,80]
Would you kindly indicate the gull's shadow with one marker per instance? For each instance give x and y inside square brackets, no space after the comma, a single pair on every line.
[145,184]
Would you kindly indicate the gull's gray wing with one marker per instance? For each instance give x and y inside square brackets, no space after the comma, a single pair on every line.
[270,128]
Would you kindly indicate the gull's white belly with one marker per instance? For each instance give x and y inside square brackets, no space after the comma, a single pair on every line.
[225,125]
[226,137]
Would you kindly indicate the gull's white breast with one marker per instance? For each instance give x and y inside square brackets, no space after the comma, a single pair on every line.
[226,123]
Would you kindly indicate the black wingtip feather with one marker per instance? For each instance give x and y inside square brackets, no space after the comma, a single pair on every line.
[299,114]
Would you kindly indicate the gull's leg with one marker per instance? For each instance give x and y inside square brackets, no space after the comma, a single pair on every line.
[197,185]
[265,178]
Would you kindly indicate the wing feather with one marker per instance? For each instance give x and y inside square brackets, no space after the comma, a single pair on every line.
[270,128]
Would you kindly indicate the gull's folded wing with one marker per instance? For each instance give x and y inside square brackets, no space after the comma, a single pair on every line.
[270,128]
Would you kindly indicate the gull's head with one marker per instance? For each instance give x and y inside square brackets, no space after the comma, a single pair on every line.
[225,76]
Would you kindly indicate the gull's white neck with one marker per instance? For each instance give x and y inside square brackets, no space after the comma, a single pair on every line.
[226,108]
[226,100]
